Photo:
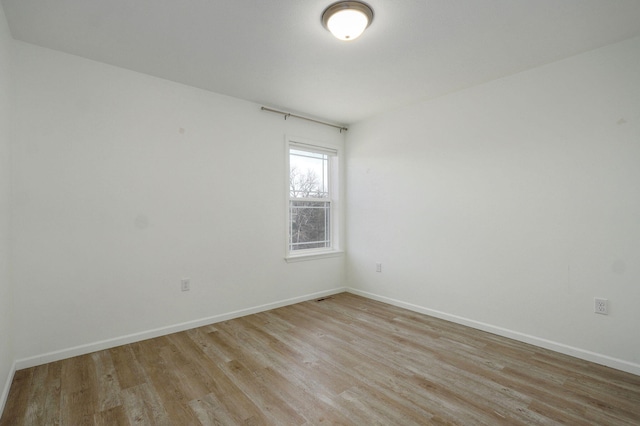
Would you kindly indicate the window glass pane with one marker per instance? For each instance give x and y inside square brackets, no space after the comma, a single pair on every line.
[308,174]
[309,224]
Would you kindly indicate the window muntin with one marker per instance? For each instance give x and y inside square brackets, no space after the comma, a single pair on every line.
[311,204]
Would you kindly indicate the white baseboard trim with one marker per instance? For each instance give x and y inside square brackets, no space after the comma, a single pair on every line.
[162,331]
[597,358]
[608,361]
[6,388]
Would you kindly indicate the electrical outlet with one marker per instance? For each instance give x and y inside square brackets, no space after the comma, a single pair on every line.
[185,284]
[378,267]
[601,306]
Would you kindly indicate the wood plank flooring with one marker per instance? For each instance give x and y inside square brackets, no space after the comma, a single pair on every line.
[344,360]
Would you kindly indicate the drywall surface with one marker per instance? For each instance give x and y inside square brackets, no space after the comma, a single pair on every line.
[6,297]
[124,184]
[511,204]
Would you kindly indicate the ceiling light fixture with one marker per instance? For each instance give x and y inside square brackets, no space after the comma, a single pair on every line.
[347,19]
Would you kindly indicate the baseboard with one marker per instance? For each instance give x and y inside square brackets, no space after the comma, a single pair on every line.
[597,358]
[149,334]
[6,388]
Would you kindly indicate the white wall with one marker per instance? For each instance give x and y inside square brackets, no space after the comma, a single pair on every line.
[123,185]
[510,205]
[6,297]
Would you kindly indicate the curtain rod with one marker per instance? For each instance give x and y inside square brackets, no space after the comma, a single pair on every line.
[288,114]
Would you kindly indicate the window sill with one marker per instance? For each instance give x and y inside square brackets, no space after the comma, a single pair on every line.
[313,256]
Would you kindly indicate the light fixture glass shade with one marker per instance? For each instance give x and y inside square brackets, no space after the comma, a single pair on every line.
[347,20]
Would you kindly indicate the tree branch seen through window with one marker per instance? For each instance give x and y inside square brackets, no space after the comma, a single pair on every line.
[309,200]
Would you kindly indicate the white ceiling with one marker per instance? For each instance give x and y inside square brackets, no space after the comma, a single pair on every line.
[276,52]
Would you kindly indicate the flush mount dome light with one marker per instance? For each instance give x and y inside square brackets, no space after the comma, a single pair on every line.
[347,19]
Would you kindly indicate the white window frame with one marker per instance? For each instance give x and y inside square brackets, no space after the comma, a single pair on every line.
[335,218]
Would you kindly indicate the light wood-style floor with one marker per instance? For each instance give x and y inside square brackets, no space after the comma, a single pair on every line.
[343,360]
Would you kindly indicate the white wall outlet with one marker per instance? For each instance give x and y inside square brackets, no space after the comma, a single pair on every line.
[378,267]
[185,284]
[601,306]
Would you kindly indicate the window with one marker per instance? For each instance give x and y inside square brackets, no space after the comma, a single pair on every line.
[312,199]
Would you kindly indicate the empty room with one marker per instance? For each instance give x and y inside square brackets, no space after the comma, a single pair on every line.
[287,212]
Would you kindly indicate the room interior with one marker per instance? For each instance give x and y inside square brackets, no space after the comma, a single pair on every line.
[490,168]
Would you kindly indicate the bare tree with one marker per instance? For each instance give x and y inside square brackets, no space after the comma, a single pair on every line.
[304,184]
[308,218]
